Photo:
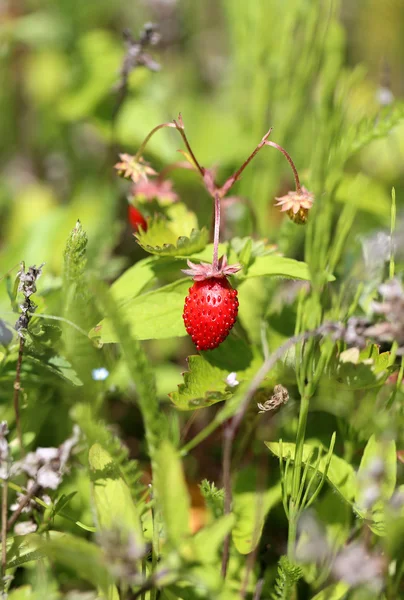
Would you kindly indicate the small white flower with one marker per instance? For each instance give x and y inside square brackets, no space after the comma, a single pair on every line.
[231,380]
[25,527]
[100,374]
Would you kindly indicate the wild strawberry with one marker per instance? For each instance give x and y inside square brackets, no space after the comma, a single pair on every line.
[136,219]
[211,306]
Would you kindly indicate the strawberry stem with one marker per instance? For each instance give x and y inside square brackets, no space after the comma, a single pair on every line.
[147,139]
[216,232]
[180,127]
[232,180]
[290,161]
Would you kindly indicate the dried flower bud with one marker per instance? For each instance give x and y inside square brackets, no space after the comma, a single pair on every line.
[297,205]
[27,286]
[279,397]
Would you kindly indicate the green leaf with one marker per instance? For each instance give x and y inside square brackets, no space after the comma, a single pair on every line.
[205,381]
[140,369]
[112,498]
[360,369]
[336,515]
[204,385]
[172,494]
[250,507]
[25,558]
[22,593]
[376,450]
[384,450]
[246,254]
[176,236]
[356,190]
[96,431]
[253,300]
[58,365]
[155,315]
[279,266]
[84,558]
[133,281]
[341,474]
[207,542]
[336,591]
[152,240]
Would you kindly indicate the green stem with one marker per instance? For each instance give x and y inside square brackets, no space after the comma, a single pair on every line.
[202,435]
[296,476]
[155,551]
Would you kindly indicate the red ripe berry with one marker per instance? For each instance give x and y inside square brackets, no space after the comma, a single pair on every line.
[210,312]
[136,219]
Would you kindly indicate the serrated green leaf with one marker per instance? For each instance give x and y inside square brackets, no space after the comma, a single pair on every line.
[341,474]
[58,365]
[152,240]
[206,543]
[112,498]
[177,235]
[250,507]
[204,385]
[172,494]
[205,381]
[155,315]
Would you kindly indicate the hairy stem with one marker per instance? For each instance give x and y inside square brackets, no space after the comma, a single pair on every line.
[290,161]
[180,127]
[16,397]
[216,233]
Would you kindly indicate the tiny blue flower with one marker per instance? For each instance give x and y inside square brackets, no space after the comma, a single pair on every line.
[100,374]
